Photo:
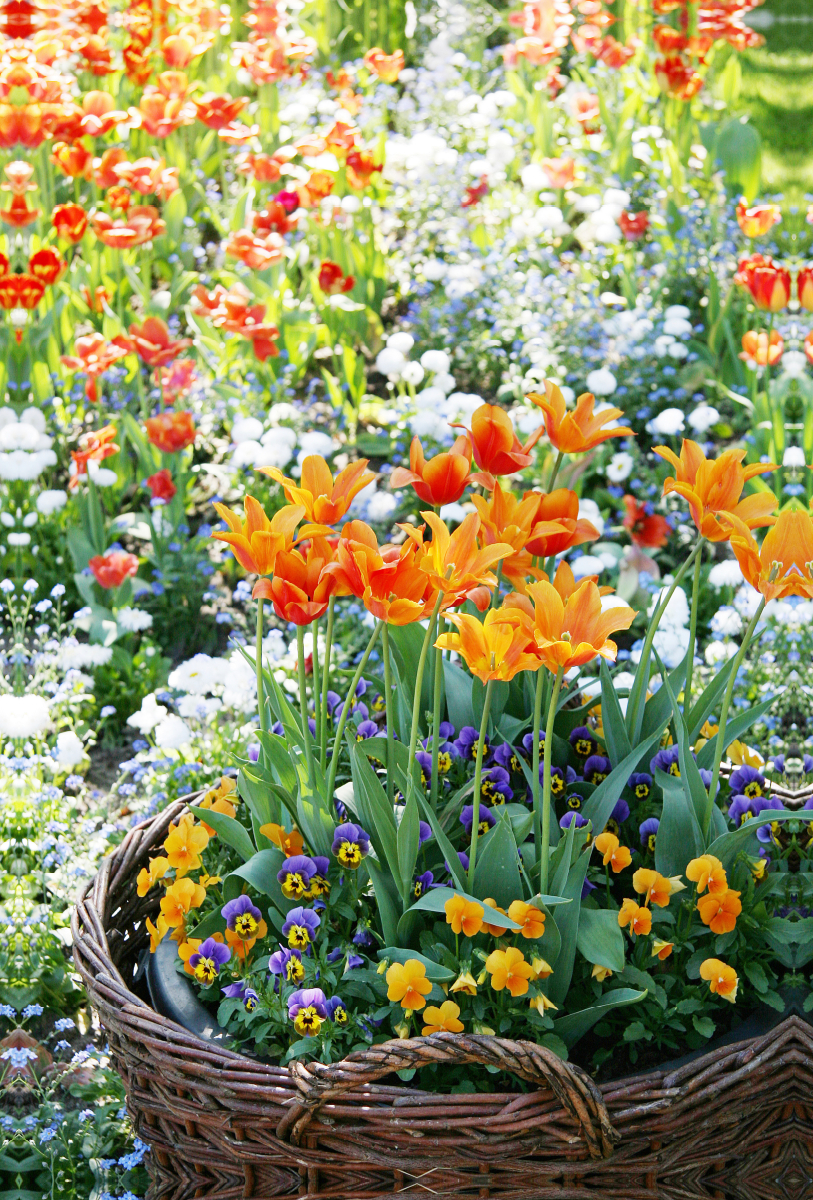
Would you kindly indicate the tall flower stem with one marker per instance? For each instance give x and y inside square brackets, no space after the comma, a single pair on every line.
[337,741]
[721,744]
[544,860]
[390,715]
[326,683]
[687,688]
[436,701]
[646,653]
[478,779]
[315,687]
[537,801]
[418,682]
[555,470]
[258,659]
[303,697]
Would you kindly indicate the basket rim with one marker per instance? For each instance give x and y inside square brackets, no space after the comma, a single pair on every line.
[107,988]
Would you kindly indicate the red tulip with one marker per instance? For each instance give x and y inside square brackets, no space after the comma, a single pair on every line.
[171,432]
[111,569]
[161,485]
[645,527]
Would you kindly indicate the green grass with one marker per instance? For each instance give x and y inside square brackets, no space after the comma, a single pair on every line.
[777,90]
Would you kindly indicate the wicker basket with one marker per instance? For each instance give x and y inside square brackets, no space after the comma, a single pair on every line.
[224,1126]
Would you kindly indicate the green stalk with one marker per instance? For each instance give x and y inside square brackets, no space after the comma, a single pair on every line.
[721,746]
[555,470]
[259,668]
[436,699]
[390,716]
[495,595]
[544,861]
[303,697]
[337,742]
[418,684]
[687,689]
[540,687]
[646,653]
[316,689]
[326,683]
[478,777]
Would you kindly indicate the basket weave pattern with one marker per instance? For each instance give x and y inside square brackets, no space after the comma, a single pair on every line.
[224,1126]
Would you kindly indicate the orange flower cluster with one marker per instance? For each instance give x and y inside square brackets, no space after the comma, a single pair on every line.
[233,312]
[685,49]
[271,53]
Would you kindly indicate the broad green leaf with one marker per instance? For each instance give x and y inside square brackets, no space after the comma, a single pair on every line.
[567,919]
[231,831]
[213,922]
[708,701]
[728,845]
[679,835]
[261,872]
[408,839]
[575,1025]
[733,732]
[434,971]
[600,805]
[600,939]
[496,872]
[441,837]
[616,738]
[387,899]
[260,799]
[376,813]
[658,707]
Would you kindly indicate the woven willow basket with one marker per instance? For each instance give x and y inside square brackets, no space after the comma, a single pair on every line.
[737,1122]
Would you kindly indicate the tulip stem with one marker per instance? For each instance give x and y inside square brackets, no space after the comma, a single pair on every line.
[390,716]
[687,687]
[258,662]
[337,742]
[544,861]
[646,653]
[418,683]
[436,701]
[315,688]
[555,470]
[478,779]
[537,803]
[326,683]
[303,697]
[495,595]
[721,746]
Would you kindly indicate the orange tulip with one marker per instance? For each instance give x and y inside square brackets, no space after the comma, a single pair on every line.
[298,590]
[722,979]
[386,66]
[441,480]
[152,343]
[491,649]
[557,526]
[804,287]
[783,566]
[758,219]
[388,581]
[580,430]
[141,225]
[645,527]
[257,541]
[504,518]
[47,265]
[497,449]
[719,910]
[570,633]
[93,355]
[95,446]
[757,351]
[70,222]
[324,499]
[768,283]
[454,564]
[714,486]
[171,432]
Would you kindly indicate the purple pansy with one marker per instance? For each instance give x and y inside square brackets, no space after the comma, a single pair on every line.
[466,744]
[422,884]
[300,927]
[337,1011]
[597,768]
[572,818]
[307,1008]
[747,781]
[486,821]
[350,844]
[242,917]
[287,963]
[647,831]
[506,757]
[295,876]
[583,742]
[667,760]
[495,786]
[641,785]
[207,960]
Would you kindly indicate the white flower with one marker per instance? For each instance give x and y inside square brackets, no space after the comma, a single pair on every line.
[677,327]
[430,397]
[19,539]
[427,424]
[726,622]
[69,749]
[133,620]
[412,374]
[719,652]
[51,501]
[601,382]
[677,610]
[534,178]
[547,217]
[435,360]
[453,512]
[671,643]
[148,716]
[703,417]
[247,452]
[172,733]
[747,601]
[199,675]
[76,655]
[101,476]
[794,456]
[380,506]
[668,422]
[587,564]
[390,362]
[726,574]
[313,441]
[589,511]
[246,429]
[677,310]
[23,716]
[794,363]
[620,466]
[445,382]
[401,342]
[199,708]
[435,270]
